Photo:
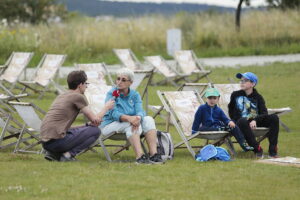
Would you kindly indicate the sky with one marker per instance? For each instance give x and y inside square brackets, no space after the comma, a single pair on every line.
[225,3]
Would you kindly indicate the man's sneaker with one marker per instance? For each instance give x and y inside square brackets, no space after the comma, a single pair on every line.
[67,159]
[143,160]
[246,147]
[259,153]
[50,156]
[156,159]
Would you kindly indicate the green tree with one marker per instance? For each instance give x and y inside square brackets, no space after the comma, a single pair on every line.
[33,11]
[238,13]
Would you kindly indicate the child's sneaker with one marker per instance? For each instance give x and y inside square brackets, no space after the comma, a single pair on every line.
[273,151]
[273,156]
[259,153]
[246,147]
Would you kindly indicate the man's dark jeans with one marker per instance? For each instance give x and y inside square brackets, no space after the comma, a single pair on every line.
[75,141]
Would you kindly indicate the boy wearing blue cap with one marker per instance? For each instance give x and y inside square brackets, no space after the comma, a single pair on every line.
[210,117]
[247,108]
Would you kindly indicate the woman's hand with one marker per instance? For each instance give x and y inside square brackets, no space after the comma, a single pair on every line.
[135,120]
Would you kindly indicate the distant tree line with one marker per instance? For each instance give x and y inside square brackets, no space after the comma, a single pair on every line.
[282,4]
[33,11]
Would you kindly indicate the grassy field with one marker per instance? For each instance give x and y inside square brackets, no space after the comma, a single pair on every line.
[208,34]
[31,177]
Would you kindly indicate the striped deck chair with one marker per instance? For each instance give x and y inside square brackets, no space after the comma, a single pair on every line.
[10,130]
[181,106]
[45,74]
[98,87]
[13,69]
[128,59]
[31,116]
[141,72]
[188,64]
[172,76]
[198,87]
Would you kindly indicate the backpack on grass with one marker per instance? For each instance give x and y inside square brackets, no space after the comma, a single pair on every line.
[165,146]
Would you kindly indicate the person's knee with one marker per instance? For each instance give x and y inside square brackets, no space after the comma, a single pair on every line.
[94,131]
[130,133]
[148,124]
[243,122]
[274,118]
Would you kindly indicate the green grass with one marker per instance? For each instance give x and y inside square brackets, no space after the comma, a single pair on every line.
[31,177]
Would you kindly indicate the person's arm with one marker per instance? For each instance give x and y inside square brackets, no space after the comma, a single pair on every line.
[262,109]
[197,121]
[108,106]
[138,106]
[224,118]
[232,110]
[91,116]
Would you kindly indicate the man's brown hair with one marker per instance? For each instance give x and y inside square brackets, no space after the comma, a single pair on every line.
[75,78]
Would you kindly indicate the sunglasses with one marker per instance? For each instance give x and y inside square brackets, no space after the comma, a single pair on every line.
[212,97]
[122,79]
[244,80]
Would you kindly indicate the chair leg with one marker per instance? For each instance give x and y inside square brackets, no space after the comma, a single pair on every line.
[4,129]
[230,146]
[19,139]
[287,129]
[104,150]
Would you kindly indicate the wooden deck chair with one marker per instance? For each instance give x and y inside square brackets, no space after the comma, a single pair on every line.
[9,96]
[181,106]
[128,59]
[172,76]
[188,64]
[10,129]
[45,74]
[31,116]
[13,69]
[139,77]
[98,87]
[225,92]
[198,87]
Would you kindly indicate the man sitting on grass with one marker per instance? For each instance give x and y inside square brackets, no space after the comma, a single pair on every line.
[61,142]
[247,107]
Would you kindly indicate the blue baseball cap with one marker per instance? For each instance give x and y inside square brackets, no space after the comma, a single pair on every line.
[248,75]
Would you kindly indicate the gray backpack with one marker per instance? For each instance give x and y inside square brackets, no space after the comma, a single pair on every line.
[165,146]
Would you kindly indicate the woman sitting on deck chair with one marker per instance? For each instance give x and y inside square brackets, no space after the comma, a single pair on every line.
[129,117]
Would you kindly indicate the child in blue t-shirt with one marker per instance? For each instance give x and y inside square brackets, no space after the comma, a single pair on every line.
[210,117]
